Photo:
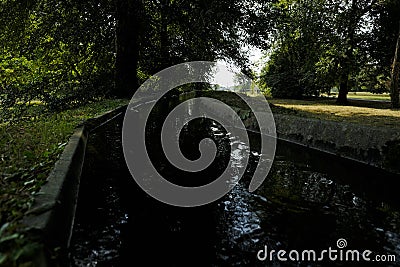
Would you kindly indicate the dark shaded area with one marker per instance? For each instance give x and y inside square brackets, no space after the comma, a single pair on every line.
[308,201]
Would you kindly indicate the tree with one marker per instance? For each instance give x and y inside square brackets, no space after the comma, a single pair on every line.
[300,40]
[155,34]
[177,31]
[350,22]
[384,41]
[394,86]
[321,44]
[57,52]
[127,54]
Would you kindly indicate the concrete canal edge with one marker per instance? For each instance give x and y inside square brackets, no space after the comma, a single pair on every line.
[378,147]
[49,222]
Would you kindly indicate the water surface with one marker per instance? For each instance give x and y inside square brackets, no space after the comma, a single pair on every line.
[308,201]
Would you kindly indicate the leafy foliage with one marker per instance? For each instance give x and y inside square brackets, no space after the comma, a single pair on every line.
[173,32]
[60,56]
[293,70]
[321,44]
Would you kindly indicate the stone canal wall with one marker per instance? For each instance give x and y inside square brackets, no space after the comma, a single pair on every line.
[48,224]
[379,147]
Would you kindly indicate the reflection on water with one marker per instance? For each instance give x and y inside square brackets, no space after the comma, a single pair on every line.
[308,201]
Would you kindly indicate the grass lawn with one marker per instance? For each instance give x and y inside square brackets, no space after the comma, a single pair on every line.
[369,113]
[28,151]
[367,96]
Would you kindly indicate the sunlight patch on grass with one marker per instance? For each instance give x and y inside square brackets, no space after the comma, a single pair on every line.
[366,96]
[371,114]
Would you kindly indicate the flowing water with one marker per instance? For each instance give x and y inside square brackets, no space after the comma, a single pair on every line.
[308,201]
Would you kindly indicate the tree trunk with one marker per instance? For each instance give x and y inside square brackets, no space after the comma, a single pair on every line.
[348,60]
[164,39]
[394,84]
[343,90]
[346,66]
[126,62]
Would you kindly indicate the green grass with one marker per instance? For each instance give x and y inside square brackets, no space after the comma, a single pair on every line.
[367,96]
[377,114]
[28,151]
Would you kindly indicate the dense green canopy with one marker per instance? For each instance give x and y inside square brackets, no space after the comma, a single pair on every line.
[58,54]
[321,44]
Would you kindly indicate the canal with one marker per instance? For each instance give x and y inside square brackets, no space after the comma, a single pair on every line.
[308,201]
